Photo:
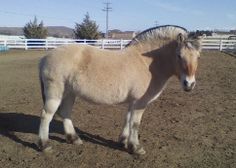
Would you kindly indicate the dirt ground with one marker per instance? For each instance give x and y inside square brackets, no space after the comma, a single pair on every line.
[180,129]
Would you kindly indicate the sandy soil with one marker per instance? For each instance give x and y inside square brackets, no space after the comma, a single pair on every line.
[180,129]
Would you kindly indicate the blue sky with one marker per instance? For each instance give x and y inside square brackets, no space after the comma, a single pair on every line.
[125,15]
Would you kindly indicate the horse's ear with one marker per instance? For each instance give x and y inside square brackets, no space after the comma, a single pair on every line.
[197,43]
[180,38]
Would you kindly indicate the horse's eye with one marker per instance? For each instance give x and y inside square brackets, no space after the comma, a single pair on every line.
[179,56]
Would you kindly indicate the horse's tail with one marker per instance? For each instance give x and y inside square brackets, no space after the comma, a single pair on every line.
[42,88]
[41,81]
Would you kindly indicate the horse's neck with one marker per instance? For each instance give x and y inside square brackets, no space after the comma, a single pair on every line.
[159,60]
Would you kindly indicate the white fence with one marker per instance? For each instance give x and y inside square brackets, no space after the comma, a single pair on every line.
[209,43]
[53,43]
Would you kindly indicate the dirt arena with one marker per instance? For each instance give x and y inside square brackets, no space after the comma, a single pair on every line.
[182,130]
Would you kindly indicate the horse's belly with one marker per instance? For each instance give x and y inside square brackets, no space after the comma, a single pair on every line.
[103,98]
[102,95]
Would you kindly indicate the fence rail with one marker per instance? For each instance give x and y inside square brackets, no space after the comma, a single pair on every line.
[208,43]
[49,44]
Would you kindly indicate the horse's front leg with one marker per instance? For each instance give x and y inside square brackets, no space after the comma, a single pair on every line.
[123,138]
[134,146]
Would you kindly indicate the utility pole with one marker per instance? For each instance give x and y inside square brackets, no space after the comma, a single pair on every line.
[107,9]
[156,23]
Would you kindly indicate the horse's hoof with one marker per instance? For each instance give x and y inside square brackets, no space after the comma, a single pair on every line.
[140,151]
[47,149]
[73,139]
[44,147]
[123,142]
[136,149]
[78,141]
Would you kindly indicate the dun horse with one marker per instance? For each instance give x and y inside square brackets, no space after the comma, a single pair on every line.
[135,75]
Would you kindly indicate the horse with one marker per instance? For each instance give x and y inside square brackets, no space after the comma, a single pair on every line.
[135,75]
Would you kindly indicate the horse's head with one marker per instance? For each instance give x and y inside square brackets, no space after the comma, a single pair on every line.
[187,54]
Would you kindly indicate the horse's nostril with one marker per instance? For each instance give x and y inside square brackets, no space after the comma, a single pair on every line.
[185,83]
[193,84]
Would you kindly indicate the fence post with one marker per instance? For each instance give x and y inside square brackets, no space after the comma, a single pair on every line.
[103,44]
[5,42]
[46,44]
[221,44]
[26,44]
[121,44]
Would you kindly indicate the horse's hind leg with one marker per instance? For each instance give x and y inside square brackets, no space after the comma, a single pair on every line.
[65,110]
[50,107]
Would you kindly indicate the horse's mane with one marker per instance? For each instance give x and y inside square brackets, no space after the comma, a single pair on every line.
[166,32]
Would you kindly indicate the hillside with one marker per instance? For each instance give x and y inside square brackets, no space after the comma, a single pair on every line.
[55,31]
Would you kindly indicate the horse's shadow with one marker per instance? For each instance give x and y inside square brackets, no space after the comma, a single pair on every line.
[24,123]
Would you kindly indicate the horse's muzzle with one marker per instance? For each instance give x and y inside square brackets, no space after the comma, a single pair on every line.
[188,86]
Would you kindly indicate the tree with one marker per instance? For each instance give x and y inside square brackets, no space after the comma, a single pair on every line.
[200,33]
[35,30]
[88,29]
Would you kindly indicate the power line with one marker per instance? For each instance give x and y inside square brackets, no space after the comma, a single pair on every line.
[32,15]
[107,9]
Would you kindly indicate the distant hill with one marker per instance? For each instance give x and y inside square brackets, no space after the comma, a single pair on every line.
[55,31]
[11,31]
[60,31]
